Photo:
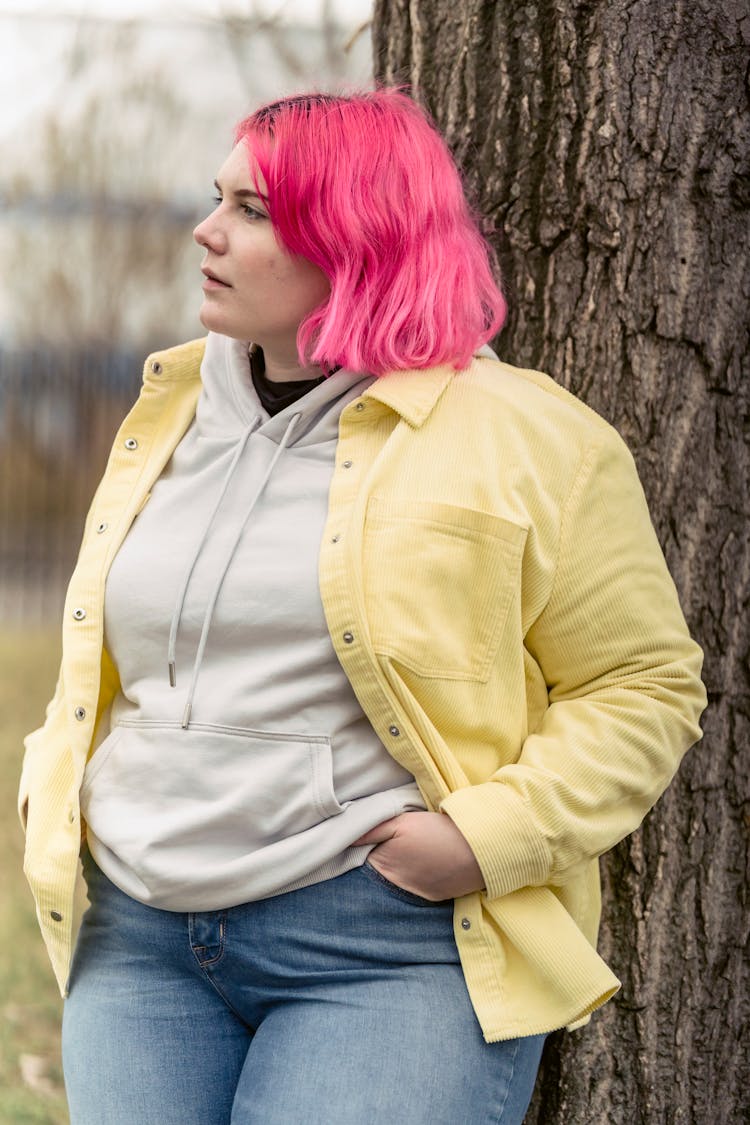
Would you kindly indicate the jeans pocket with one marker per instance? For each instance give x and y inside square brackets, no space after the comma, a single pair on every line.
[399,892]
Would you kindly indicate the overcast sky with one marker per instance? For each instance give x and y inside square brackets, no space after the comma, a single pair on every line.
[348,11]
[33,34]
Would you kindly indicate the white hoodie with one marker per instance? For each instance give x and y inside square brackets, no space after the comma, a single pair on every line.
[255,771]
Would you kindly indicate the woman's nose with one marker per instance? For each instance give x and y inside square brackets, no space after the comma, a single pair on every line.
[209,235]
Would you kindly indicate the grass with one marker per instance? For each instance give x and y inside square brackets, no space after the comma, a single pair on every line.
[31,1086]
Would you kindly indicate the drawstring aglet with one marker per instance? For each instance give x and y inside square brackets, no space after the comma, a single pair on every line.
[186,716]
[172,674]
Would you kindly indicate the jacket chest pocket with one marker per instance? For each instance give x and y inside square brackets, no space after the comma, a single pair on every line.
[439,584]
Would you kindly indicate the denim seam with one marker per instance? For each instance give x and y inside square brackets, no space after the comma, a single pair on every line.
[222,943]
[205,966]
[509,1083]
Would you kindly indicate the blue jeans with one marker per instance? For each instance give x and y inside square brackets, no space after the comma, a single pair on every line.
[339,1004]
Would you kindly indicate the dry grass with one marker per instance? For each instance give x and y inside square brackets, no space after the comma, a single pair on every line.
[31,1088]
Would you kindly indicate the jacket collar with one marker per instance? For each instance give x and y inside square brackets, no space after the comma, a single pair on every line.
[175,364]
[412,394]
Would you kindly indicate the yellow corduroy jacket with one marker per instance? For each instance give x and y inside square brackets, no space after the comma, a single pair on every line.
[497,597]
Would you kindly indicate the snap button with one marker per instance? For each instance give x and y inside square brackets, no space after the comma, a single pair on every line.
[360,406]
[79,614]
[348,637]
[131,443]
[80,714]
[394,731]
[156,367]
[335,538]
[465,924]
[346,464]
[102,527]
[55,915]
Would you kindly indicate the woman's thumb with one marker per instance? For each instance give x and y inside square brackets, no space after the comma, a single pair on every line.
[386,830]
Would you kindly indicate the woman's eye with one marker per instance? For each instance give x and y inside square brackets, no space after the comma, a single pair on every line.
[249,211]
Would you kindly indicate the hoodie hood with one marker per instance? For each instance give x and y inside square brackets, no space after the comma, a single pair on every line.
[229,403]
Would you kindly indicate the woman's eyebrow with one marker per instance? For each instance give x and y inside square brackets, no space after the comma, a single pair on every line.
[241,193]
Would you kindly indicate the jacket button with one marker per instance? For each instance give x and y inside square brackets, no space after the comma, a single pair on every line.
[465,924]
[346,464]
[156,367]
[394,731]
[359,407]
[102,527]
[348,637]
[79,614]
[131,443]
[55,915]
[335,538]
[80,714]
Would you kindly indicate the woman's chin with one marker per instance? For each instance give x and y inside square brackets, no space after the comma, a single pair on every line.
[212,320]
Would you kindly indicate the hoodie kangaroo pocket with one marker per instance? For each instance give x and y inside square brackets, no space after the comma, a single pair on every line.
[153,784]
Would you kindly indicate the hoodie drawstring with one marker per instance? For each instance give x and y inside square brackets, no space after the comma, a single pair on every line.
[172,646]
[227,563]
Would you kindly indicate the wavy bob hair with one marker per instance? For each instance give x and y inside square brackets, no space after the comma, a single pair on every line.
[364,186]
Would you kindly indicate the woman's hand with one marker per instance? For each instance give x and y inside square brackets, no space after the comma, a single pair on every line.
[424,853]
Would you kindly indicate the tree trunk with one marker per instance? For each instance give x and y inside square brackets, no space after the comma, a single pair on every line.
[607,144]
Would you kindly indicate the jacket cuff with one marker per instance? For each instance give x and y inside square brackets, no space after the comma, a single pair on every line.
[500,832]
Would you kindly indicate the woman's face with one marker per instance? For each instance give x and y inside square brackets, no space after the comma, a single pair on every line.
[254,290]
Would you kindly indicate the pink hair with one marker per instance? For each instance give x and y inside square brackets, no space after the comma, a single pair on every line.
[364,186]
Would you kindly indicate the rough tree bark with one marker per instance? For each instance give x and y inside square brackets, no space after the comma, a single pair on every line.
[607,143]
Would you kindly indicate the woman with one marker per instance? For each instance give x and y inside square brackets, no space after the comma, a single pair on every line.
[370,652]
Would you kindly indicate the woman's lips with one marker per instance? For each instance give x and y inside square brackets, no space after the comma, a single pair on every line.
[213,282]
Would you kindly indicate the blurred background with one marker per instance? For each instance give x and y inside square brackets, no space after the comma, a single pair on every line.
[114,117]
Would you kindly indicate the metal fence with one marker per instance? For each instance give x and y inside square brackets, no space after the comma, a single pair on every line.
[59,411]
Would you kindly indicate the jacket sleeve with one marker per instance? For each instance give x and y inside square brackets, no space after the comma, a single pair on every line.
[624,690]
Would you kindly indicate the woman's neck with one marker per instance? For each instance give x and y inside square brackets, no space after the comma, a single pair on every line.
[280,368]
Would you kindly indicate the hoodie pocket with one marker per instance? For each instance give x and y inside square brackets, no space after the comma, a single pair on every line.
[154,784]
